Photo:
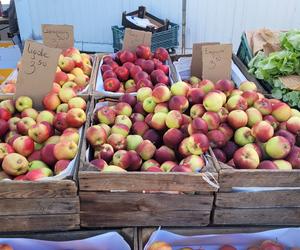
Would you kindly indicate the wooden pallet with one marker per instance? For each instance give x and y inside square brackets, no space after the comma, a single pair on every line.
[268,207]
[145,233]
[126,199]
[38,206]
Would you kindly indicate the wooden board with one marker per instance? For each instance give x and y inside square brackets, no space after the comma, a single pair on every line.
[33,223]
[49,189]
[103,209]
[258,216]
[265,199]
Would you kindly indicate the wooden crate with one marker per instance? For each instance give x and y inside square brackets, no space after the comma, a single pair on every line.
[38,206]
[129,235]
[145,233]
[126,199]
[268,207]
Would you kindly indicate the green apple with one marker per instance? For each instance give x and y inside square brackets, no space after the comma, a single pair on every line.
[133,141]
[243,136]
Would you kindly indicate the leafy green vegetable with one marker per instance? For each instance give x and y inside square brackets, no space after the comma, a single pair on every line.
[290,40]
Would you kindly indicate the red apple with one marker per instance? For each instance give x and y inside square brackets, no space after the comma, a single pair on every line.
[47,154]
[216,138]
[163,154]
[161,54]
[143,51]
[127,56]
[135,161]
[111,84]
[122,73]
[172,137]
[60,166]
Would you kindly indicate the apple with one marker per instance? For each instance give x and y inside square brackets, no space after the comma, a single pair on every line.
[111,84]
[24,145]
[128,98]
[216,138]
[212,119]
[294,157]
[5,149]
[4,114]
[250,96]
[123,108]
[197,110]
[269,244]
[121,129]
[146,149]
[179,103]
[181,168]
[248,86]
[143,93]
[195,95]
[172,137]
[223,114]
[236,102]
[38,173]
[161,94]
[76,117]
[183,147]
[23,102]
[77,102]
[161,107]
[70,51]
[117,141]
[61,78]
[198,144]
[264,106]
[12,123]
[243,136]
[47,154]
[55,88]
[272,121]
[220,155]
[262,131]
[137,117]
[106,152]
[39,132]
[134,70]
[149,104]
[135,161]
[121,158]
[281,111]
[163,154]
[35,156]
[127,56]
[223,96]
[254,116]
[149,163]
[123,119]
[96,135]
[246,158]
[106,115]
[180,88]
[122,73]
[206,85]
[133,141]
[65,94]
[293,125]
[168,166]
[24,124]
[60,166]
[127,65]
[278,147]
[15,164]
[65,150]
[267,165]
[194,80]
[140,75]
[36,164]
[283,165]
[237,119]
[60,122]
[194,162]
[32,113]
[113,169]
[213,102]
[174,119]
[158,121]
[226,130]
[288,135]
[226,86]
[9,105]
[198,125]
[139,128]
[158,76]
[109,74]
[66,63]
[143,51]
[148,66]
[295,112]
[163,67]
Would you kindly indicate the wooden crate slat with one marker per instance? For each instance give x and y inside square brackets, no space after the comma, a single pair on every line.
[258,178]
[30,223]
[39,206]
[258,216]
[49,189]
[137,202]
[265,199]
[139,181]
[145,218]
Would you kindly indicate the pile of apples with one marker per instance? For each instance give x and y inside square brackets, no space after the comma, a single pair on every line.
[247,130]
[153,131]
[37,144]
[129,71]
[265,245]
[73,71]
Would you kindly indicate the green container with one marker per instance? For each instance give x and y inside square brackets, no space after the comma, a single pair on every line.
[167,39]
[244,51]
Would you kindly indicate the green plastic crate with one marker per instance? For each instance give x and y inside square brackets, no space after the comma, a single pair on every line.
[167,39]
[244,51]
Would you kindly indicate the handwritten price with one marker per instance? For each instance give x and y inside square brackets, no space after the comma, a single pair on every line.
[38,58]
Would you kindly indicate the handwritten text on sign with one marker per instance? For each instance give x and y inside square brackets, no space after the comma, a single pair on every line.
[58,36]
[35,78]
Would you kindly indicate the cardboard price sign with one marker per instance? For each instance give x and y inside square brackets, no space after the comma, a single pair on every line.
[216,62]
[58,36]
[35,78]
[134,38]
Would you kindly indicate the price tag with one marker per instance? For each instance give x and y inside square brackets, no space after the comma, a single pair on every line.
[134,38]
[36,75]
[196,67]
[216,62]
[58,36]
